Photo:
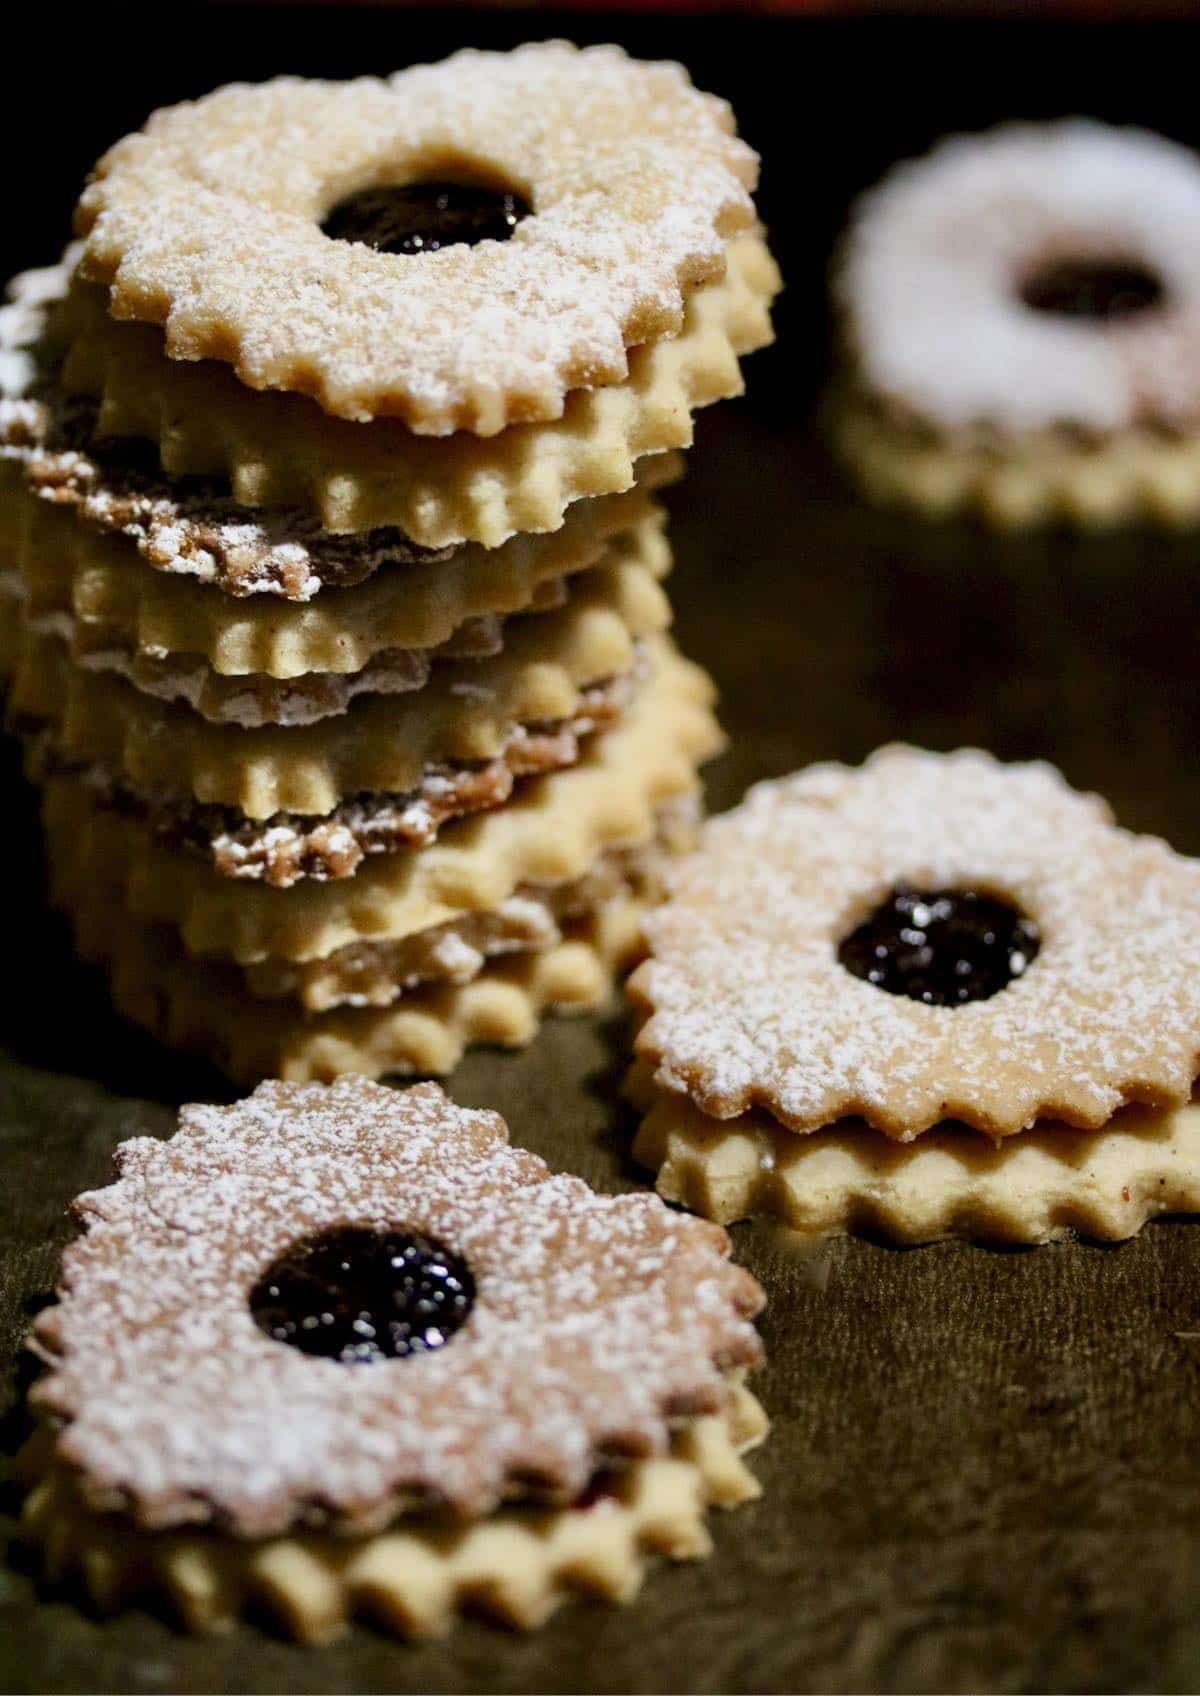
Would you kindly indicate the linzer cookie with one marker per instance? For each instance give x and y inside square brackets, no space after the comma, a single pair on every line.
[195,529]
[1021,313]
[935,995]
[434,1377]
[603,192]
[276,450]
[590,631]
[409,1007]
[336,632]
[551,830]
[463,756]
[419,952]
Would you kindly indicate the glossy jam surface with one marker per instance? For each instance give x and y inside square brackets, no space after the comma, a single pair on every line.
[423,217]
[360,1296]
[944,947]
[1093,288]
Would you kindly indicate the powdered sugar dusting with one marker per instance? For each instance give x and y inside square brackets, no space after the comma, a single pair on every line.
[598,1319]
[750,1006]
[932,268]
[194,529]
[286,848]
[22,320]
[209,222]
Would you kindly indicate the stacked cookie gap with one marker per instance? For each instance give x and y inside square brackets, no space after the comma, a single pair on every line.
[334,615]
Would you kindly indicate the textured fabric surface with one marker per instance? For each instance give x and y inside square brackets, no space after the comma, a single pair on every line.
[983,1471]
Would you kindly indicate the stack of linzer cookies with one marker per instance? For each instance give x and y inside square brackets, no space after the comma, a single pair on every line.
[334,608]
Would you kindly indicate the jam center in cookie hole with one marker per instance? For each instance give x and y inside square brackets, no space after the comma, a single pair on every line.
[359,1296]
[423,217]
[943,947]
[1097,289]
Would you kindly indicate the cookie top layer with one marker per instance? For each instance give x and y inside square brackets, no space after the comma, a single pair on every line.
[1036,276]
[596,1320]
[1083,998]
[210,222]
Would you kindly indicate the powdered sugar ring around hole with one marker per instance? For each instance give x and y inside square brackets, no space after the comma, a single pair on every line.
[749,1005]
[932,270]
[597,1321]
[208,222]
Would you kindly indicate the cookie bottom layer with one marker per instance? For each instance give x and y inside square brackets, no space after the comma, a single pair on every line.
[516,1567]
[289,847]
[1043,477]
[204,1006]
[1046,1183]
[535,916]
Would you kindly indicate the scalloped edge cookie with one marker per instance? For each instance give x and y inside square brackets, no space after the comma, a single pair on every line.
[68,567]
[748,1003]
[516,1567]
[204,1007]
[610,609]
[550,832]
[378,747]
[200,223]
[280,450]
[1050,1182]
[1051,476]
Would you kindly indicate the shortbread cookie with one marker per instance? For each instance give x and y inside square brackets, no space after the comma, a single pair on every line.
[594,634]
[425,1302]
[929,937]
[193,529]
[281,451]
[600,910]
[1042,477]
[516,1567]
[597,191]
[1022,315]
[190,530]
[205,1007]
[550,831]
[115,602]
[445,756]
[1049,1182]
[249,699]
[378,974]
[285,847]
[282,849]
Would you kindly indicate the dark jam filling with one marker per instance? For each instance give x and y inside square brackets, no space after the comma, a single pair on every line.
[1093,288]
[361,1296]
[422,217]
[943,947]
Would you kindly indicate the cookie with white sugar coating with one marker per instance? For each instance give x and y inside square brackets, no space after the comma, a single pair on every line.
[1021,318]
[932,995]
[433,1375]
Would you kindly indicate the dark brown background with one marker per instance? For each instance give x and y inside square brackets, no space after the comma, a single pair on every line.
[983,1473]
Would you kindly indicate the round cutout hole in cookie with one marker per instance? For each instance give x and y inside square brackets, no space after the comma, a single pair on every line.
[360,1296]
[423,217]
[1096,290]
[944,947]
